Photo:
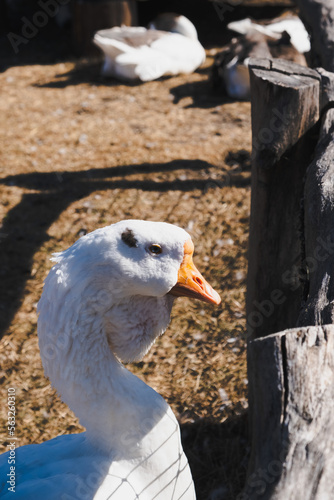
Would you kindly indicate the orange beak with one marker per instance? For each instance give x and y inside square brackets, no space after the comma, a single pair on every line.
[190,282]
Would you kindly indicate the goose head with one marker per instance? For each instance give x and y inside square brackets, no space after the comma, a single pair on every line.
[117,284]
[106,300]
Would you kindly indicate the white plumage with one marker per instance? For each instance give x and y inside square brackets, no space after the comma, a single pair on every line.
[107,299]
[292,25]
[169,47]
[284,38]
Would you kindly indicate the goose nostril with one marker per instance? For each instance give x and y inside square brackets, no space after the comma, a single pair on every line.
[198,281]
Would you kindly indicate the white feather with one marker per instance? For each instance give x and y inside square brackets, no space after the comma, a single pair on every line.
[105,300]
[292,25]
[134,53]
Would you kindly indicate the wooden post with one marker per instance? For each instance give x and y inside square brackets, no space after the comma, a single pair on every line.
[285,108]
[90,16]
[319,229]
[291,373]
[293,416]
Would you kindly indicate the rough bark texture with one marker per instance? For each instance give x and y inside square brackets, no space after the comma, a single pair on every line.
[318,16]
[291,373]
[285,107]
[327,88]
[293,416]
[319,229]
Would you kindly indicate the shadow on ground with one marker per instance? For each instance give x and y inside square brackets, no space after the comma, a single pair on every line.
[25,227]
[218,456]
[203,94]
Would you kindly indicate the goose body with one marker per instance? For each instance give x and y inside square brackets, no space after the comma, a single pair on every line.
[292,25]
[168,47]
[107,299]
[284,38]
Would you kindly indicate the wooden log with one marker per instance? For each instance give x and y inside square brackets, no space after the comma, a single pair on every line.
[291,373]
[285,109]
[90,16]
[327,88]
[292,423]
[319,229]
[285,105]
[318,16]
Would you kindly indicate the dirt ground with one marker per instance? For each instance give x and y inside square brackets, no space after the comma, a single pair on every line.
[79,152]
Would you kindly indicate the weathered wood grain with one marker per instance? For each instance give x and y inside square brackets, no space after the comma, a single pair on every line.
[327,88]
[319,229]
[293,416]
[291,373]
[285,105]
[285,109]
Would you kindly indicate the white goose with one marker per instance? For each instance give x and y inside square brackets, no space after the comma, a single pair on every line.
[290,24]
[107,299]
[285,38]
[169,47]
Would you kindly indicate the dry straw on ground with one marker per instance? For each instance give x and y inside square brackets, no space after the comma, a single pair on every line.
[78,153]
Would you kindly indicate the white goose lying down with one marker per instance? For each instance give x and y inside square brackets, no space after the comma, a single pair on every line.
[290,24]
[107,299]
[284,38]
[169,47]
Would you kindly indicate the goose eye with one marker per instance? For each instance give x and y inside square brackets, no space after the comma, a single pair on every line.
[155,249]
